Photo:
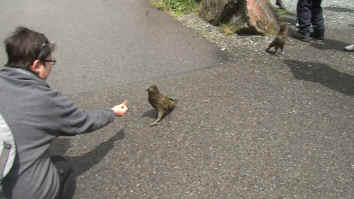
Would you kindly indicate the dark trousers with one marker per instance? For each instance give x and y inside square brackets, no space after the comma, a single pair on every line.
[310,17]
[66,175]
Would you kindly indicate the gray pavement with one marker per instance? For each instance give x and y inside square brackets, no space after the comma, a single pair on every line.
[247,125]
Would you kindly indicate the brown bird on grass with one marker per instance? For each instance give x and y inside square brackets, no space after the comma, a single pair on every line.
[279,40]
[162,104]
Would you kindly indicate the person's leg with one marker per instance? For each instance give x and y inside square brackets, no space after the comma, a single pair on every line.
[304,16]
[297,25]
[317,20]
[69,187]
[67,178]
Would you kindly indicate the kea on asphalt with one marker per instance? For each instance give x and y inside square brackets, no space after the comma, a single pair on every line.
[279,40]
[161,103]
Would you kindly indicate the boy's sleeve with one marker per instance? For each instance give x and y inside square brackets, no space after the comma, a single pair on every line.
[65,118]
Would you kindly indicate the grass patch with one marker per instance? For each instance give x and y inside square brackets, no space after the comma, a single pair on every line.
[176,6]
[157,3]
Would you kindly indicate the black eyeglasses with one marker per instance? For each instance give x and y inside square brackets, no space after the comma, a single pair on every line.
[52,61]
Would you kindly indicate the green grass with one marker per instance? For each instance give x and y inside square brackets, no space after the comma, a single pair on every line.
[157,3]
[177,6]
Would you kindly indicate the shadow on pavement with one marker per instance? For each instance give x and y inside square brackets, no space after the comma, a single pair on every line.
[60,146]
[330,44]
[323,74]
[84,162]
[338,9]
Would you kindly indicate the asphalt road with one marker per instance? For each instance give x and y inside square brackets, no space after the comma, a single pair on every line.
[111,42]
[247,125]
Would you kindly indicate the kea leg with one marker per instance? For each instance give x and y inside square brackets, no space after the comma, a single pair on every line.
[276,49]
[282,50]
[159,117]
[269,47]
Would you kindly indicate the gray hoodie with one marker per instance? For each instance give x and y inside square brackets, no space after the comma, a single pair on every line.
[37,114]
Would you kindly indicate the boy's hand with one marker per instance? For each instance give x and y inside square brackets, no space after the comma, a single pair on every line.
[120,109]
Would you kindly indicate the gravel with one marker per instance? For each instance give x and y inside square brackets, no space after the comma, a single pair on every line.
[338,15]
[336,12]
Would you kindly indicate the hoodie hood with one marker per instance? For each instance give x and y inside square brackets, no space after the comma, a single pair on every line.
[21,76]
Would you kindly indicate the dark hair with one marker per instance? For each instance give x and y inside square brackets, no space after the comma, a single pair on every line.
[25,46]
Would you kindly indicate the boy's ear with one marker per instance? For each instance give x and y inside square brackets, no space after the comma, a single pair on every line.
[36,66]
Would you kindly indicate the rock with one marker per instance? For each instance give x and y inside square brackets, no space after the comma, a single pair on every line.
[246,16]
[211,10]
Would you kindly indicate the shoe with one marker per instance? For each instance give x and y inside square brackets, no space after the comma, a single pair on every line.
[319,35]
[317,38]
[349,47]
[319,42]
[301,36]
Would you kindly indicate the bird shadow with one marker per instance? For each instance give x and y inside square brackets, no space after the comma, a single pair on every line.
[81,164]
[153,113]
[150,113]
[323,74]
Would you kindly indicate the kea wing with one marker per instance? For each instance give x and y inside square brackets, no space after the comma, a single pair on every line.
[168,103]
